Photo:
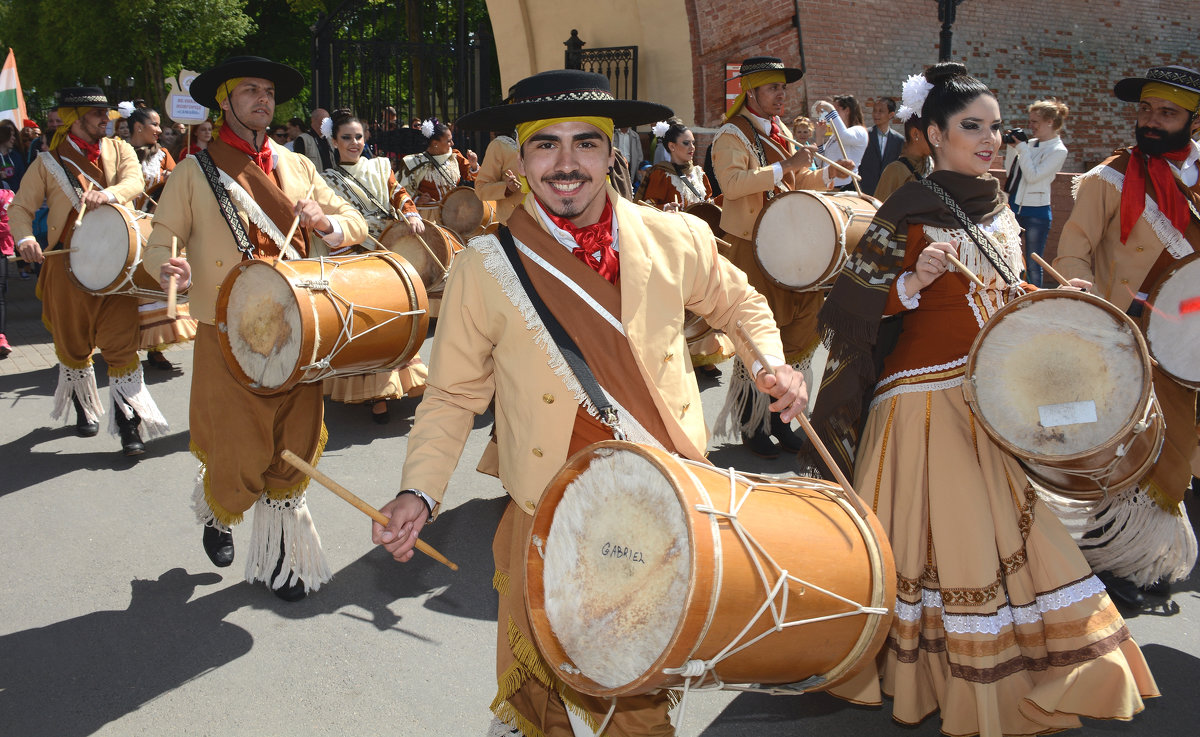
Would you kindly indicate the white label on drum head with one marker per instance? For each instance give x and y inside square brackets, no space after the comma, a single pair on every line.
[1067,413]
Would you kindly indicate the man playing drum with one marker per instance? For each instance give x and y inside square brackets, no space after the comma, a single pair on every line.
[754,159]
[1135,218]
[616,279]
[83,169]
[225,205]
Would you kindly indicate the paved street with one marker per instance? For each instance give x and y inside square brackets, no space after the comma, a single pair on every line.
[113,622]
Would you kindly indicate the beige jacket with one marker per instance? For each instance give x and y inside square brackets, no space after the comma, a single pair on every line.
[188,210]
[490,184]
[1090,246]
[483,348]
[42,183]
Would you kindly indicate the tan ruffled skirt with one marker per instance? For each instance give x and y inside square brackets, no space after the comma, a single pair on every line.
[1000,623]
[408,380]
[157,331]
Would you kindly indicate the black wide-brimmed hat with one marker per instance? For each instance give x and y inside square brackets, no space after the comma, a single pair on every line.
[82,97]
[288,81]
[562,93]
[768,64]
[1130,89]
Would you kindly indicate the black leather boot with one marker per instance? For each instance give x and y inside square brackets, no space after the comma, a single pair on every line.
[787,437]
[218,546]
[287,592]
[84,427]
[1124,591]
[758,442]
[127,427]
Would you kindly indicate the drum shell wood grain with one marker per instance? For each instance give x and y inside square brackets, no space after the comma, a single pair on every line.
[373,282]
[806,530]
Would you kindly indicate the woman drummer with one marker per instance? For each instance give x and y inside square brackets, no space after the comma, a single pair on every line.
[370,186]
[438,169]
[999,622]
[676,180]
[157,330]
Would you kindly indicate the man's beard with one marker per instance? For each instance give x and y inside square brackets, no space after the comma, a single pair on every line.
[572,208]
[1165,143]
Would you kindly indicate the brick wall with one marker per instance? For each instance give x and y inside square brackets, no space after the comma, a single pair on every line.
[1072,49]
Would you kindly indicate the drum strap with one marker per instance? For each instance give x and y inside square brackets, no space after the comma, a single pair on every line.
[910,167]
[348,179]
[567,346]
[225,204]
[981,240]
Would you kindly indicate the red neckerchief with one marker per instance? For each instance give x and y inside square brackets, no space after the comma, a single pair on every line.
[262,157]
[1170,200]
[91,150]
[776,133]
[594,243]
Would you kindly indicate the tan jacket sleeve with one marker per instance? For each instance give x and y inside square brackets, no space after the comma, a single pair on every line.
[28,199]
[490,184]
[1081,235]
[461,383]
[737,168]
[173,217]
[127,182]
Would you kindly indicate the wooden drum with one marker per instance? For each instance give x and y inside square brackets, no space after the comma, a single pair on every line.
[643,567]
[466,214]
[108,253]
[710,213]
[282,323]
[430,253]
[1061,380]
[803,238]
[1172,322]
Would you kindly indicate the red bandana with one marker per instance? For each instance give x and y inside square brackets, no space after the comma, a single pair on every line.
[262,157]
[1170,200]
[776,133]
[594,243]
[91,150]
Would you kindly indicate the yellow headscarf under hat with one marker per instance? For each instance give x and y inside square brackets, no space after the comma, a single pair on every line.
[526,130]
[222,94]
[68,115]
[1185,99]
[749,82]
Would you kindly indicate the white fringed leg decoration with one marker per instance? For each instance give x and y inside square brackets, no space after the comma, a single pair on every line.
[1136,540]
[204,513]
[501,729]
[286,522]
[80,383]
[129,390]
[742,392]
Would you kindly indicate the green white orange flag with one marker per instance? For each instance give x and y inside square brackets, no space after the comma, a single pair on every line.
[12,100]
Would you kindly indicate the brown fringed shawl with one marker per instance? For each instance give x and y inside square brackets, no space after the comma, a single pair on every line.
[851,321]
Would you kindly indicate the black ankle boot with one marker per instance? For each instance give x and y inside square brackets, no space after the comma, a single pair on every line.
[84,427]
[759,441]
[787,437]
[287,592]
[218,546]
[131,439]
[1122,590]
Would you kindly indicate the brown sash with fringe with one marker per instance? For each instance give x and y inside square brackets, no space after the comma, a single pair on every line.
[263,189]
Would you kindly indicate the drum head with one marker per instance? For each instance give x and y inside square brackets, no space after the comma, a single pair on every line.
[462,211]
[709,213]
[617,567]
[103,243]
[263,324]
[1173,325]
[1058,374]
[796,238]
[400,240]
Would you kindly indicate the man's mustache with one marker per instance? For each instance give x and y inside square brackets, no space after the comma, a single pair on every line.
[572,176]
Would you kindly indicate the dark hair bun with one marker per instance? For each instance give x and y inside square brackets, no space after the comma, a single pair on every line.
[944,70]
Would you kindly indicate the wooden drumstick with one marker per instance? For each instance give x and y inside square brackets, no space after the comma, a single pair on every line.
[87,187]
[299,464]
[445,268]
[829,161]
[17,256]
[296,220]
[807,427]
[173,285]
[966,272]
[1051,270]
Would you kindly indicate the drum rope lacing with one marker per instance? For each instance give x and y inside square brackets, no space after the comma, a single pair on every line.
[346,334]
[705,669]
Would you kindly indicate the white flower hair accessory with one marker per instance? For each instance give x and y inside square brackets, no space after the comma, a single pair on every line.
[125,108]
[912,98]
[327,128]
[660,128]
[427,128]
